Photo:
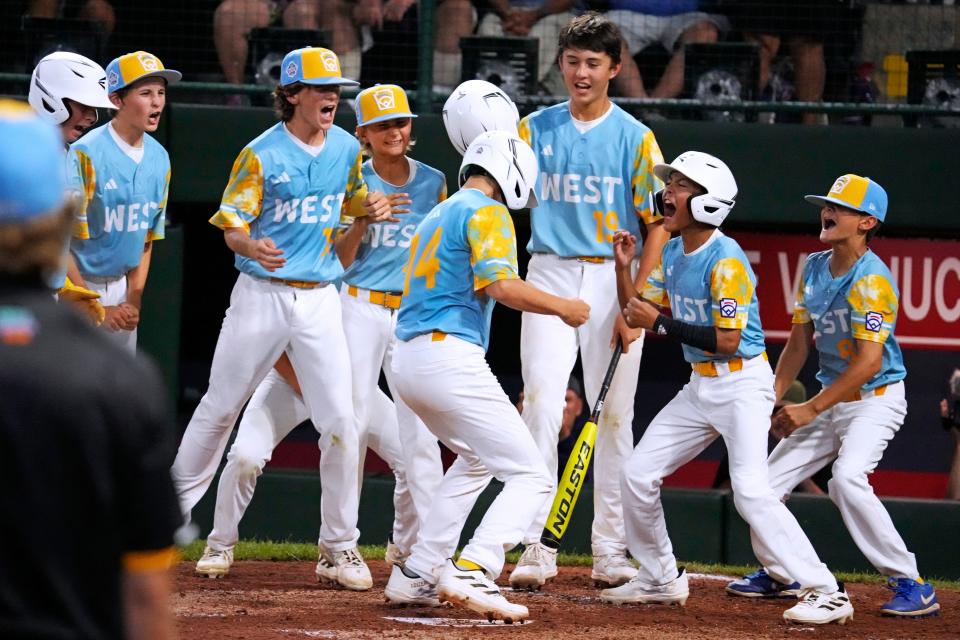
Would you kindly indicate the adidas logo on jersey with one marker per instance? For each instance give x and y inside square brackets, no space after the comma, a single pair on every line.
[111,184]
[283,177]
[547,150]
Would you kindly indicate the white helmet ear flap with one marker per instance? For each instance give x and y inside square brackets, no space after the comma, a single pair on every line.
[710,209]
[658,201]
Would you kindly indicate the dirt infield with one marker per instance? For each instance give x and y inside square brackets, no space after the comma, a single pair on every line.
[261,600]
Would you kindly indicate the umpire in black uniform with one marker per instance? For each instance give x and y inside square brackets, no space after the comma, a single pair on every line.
[86,443]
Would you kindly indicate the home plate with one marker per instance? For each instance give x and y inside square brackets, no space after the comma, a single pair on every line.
[455,622]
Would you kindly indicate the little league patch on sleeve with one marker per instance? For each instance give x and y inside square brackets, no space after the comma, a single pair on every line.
[728,308]
[873,321]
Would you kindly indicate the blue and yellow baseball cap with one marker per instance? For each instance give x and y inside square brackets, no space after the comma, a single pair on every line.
[33,177]
[313,65]
[382,102]
[130,67]
[857,193]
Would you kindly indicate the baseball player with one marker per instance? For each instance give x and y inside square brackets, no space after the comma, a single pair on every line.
[125,179]
[847,302]
[595,178]
[706,280]
[67,89]
[279,213]
[463,258]
[375,254]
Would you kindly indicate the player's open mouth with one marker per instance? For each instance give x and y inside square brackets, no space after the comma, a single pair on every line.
[582,86]
[154,117]
[829,223]
[328,110]
[669,208]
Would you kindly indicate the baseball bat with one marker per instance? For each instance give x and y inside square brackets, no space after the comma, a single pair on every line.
[576,469]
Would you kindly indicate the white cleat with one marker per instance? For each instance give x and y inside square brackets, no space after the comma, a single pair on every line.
[674,592]
[473,590]
[817,607]
[345,568]
[214,563]
[537,565]
[612,570]
[395,555]
[403,590]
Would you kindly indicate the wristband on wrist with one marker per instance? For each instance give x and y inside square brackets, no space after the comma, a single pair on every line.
[700,336]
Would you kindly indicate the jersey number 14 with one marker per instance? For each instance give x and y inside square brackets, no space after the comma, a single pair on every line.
[426,264]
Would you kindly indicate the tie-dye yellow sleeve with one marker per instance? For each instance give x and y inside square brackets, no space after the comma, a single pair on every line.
[655,288]
[83,167]
[643,183]
[732,292]
[243,197]
[158,229]
[524,130]
[873,308]
[801,315]
[356,192]
[443,192]
[493,246]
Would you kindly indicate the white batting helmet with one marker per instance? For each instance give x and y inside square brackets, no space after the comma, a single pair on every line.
[477,106]
[63,74]
[510,161]
[713,175]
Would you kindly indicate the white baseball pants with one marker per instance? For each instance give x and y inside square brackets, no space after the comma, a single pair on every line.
[548,351]
[857,433]
[113,291]
[737,406]
[450,386]
[263,320]
[402,440]
[272,413]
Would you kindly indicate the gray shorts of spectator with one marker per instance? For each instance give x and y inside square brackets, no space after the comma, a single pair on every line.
[641,30]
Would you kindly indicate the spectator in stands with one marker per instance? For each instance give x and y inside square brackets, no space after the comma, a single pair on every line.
[94,10]
[541,19]
[572,422]
[950,418]
[233,20]
[671,23]
[803,26]
[452,19]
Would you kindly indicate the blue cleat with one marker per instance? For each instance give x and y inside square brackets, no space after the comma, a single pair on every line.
[759,584]
[911,598]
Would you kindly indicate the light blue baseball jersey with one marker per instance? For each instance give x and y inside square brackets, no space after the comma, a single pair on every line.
[465,244]
[862,304]
[122,204]
[384,248]
[591,184]
[278,190]
[74,191]
[713,286]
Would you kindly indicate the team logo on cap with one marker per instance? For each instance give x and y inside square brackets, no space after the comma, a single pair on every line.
[728,308]
[873,321]
[384,99]
[148,62]
[113,79]
[292,69]
[329,60]
[840,184]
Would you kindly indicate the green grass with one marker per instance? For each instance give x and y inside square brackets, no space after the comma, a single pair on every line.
[301,551]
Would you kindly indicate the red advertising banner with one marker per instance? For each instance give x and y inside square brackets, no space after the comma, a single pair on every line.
[927,273]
